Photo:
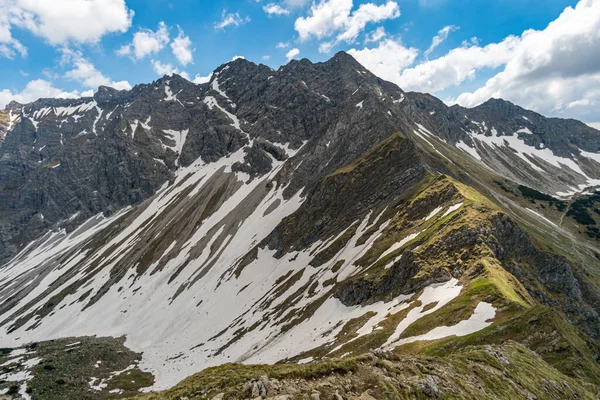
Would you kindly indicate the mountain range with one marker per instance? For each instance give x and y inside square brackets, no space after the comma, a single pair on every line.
[307,231]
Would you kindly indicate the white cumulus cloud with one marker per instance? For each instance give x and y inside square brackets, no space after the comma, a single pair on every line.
[292,54]
[230,19]
[275,9]
[386,60]
[555,71]
[182,49]
[440,38]
[458,65]
[376,35]
[59,22]
[146,42]
[202,79]
[336,17]
[84,72]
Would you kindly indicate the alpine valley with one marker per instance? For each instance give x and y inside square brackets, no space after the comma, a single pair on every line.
[311,232]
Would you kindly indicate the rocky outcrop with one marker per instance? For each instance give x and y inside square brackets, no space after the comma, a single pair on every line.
[560,278]
[401,279]
[4,124]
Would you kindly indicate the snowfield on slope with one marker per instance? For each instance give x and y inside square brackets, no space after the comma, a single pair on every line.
[200,303]
[538,159]
[181,332]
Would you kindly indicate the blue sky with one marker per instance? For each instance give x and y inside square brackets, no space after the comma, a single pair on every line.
[477,49]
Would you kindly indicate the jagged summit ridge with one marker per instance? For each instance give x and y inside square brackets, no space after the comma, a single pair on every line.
[178,122]
[238,66]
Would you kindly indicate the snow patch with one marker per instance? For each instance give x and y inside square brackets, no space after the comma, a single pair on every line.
[13,119]
[215,86]
[451,209]
[540,216]
[400,100]
[398,245]
[212,102]
[525,131]
[468,149]
[440,293]
[101,385]
[433,213]
[593,156]
[179,137]
[479,320]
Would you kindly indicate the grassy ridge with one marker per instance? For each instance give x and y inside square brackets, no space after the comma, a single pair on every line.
[509,371]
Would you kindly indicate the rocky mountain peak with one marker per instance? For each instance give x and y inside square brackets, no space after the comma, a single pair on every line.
[13,105]
[174,80]
[237,67]
[344,59]
[107,95]
[501,107]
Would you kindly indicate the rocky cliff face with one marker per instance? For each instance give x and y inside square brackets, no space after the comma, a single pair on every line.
[4,124]
[118,148]
[310,212]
